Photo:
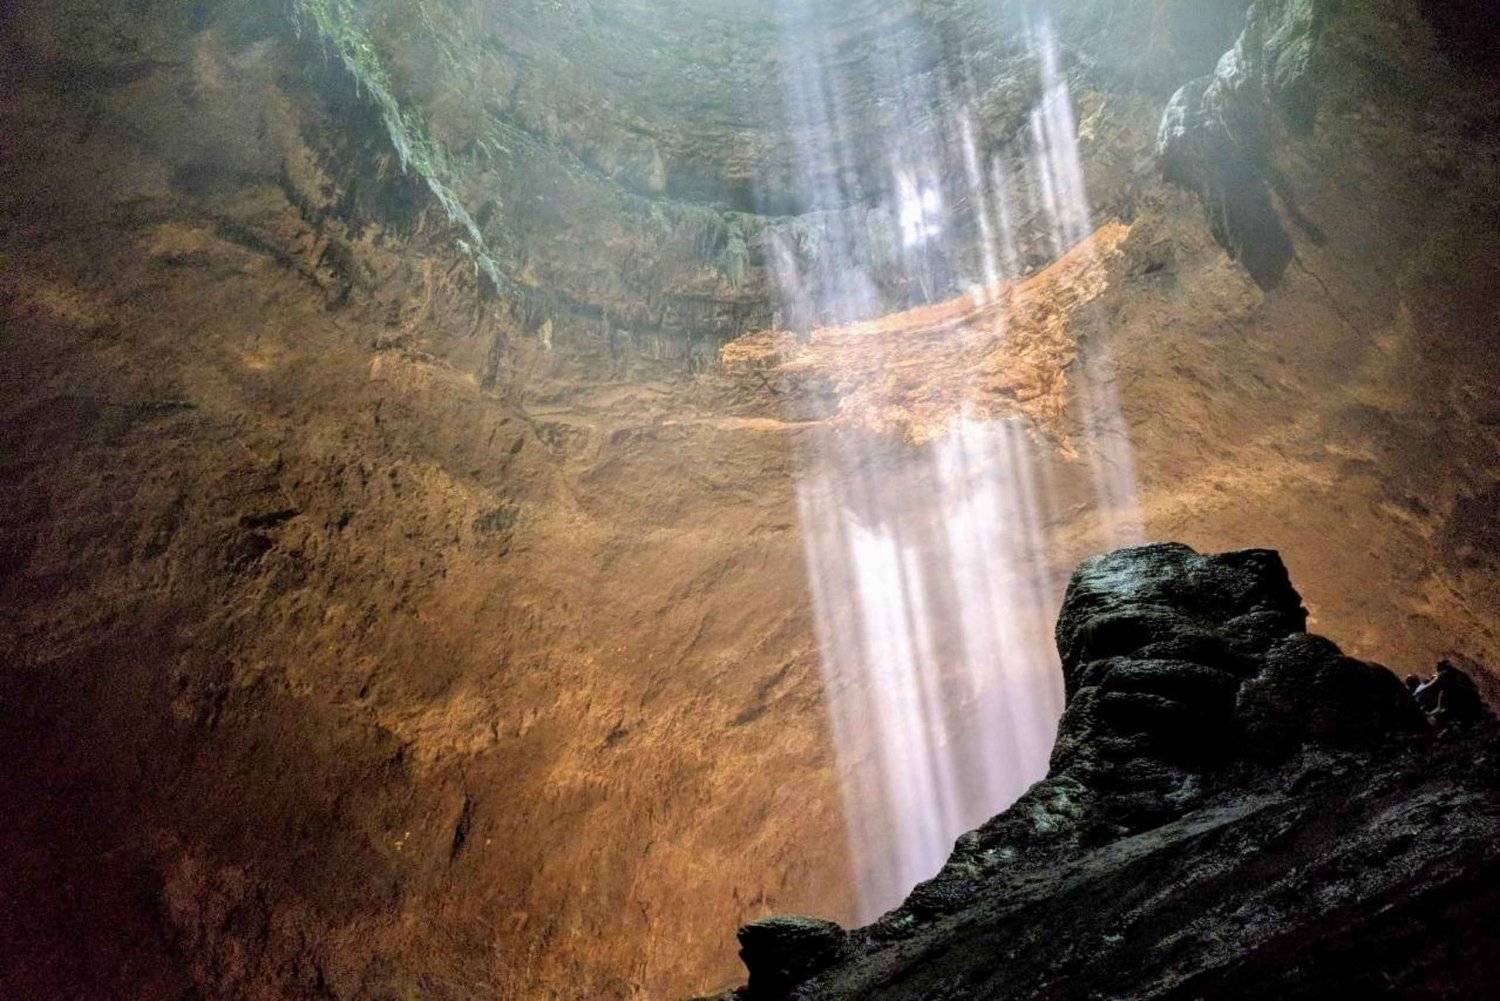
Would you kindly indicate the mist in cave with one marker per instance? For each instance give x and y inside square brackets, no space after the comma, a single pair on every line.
[931,581]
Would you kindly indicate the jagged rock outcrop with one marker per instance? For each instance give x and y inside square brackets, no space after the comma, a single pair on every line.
[1235,809]
[1216,133]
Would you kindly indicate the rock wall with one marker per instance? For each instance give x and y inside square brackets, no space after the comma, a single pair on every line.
[374,629]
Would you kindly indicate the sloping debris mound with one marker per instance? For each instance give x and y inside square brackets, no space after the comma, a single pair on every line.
[1234,809]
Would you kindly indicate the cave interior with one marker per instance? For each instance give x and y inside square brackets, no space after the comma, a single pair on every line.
[513,499]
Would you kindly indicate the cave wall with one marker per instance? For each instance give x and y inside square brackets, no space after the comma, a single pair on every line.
[375,630]
[333,670]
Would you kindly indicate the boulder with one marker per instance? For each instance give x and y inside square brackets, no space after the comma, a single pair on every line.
[784,950]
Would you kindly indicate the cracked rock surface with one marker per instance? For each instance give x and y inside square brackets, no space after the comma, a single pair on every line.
[1235,809]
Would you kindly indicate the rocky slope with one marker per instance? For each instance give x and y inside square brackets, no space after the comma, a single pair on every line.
[1234,809]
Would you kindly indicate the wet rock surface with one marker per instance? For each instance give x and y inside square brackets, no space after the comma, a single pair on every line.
[1235,809]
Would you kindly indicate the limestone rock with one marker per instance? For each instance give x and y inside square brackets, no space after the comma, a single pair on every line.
[1215,134]
[1166,596]
[1235,809]
[784,950]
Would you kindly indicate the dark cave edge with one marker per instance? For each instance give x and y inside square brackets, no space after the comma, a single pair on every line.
[1234,809]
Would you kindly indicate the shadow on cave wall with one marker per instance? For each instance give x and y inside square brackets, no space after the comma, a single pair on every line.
[1468,31]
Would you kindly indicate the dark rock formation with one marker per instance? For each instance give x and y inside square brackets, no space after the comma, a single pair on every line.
[784,950]
[1235,809]
[1217,130]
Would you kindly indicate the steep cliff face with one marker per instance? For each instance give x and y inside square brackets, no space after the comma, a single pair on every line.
[400,596]
[1234,808]
[348,631]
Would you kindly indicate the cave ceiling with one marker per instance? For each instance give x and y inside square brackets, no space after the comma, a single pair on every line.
[699,101]
[631,165]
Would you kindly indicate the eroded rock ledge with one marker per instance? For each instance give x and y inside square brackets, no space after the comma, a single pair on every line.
[1234,809]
